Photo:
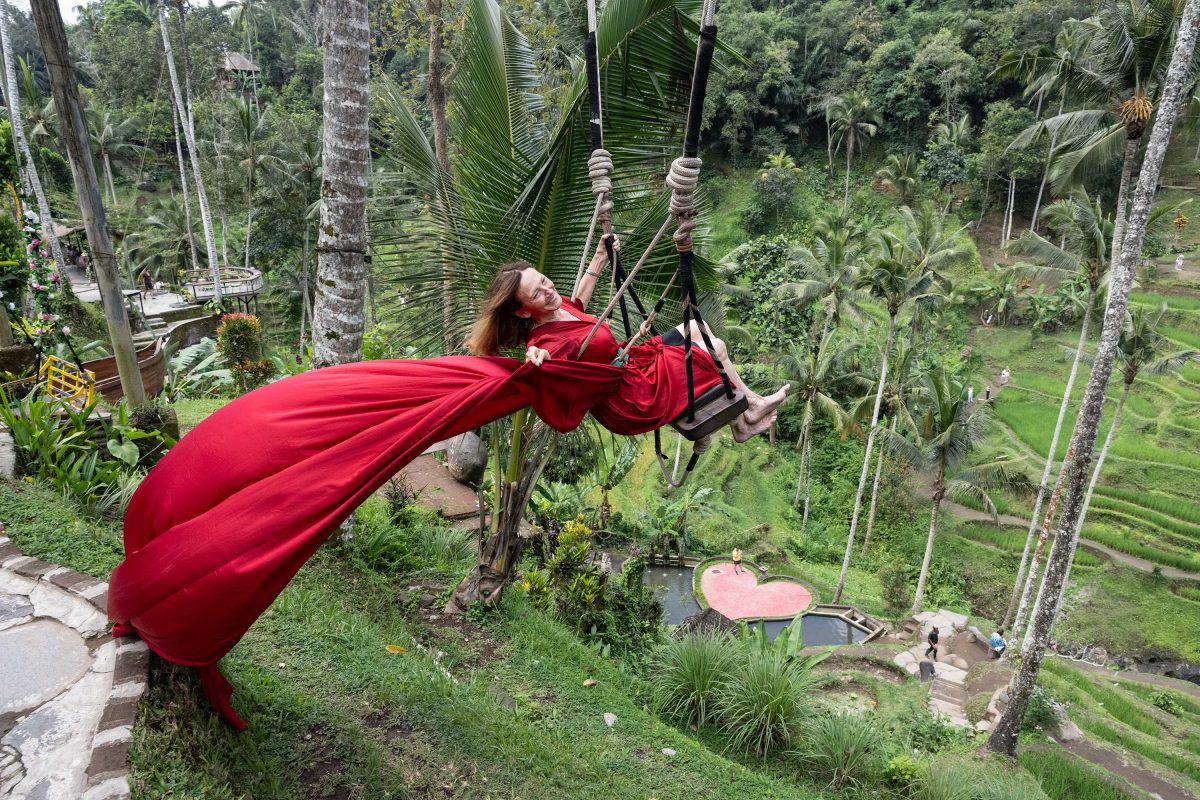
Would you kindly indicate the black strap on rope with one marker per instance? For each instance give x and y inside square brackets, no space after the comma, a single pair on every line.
[704,57]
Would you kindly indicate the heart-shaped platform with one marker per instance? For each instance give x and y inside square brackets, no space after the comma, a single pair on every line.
[741,596]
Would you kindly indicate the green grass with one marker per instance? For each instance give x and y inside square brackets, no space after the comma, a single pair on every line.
[1176,507]
[193,411]
[42,523]
[1151,518]
[1124,544]
[1012,540]
[1064,777]
[1185,338]
[1115,704]
[1185,701]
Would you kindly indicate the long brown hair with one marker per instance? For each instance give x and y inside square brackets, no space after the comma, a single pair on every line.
[498,325]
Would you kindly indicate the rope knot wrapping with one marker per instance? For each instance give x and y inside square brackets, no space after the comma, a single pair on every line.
[683,180]
[600,167]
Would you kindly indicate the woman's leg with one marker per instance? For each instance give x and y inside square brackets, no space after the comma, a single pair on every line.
[760,415]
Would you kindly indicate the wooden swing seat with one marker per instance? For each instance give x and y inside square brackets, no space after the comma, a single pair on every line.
[714,410]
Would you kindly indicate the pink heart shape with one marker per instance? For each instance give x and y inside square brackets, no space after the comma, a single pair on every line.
[741,596]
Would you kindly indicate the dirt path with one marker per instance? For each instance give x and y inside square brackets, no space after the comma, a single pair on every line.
[1117,764]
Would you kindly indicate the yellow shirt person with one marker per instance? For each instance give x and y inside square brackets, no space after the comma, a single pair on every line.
[737,560]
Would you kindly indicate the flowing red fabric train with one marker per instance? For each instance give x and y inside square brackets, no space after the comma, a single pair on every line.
[225,520]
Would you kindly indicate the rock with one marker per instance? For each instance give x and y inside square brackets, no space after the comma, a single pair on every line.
[1069,732]
[502,697]
[983,726]
[958,622]
[610,718]
[904,659]
[958,661]
[667,751]
[590,682]
[39,661]
[466,457]
[427,600]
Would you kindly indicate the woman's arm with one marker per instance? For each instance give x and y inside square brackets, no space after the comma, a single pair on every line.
[587,281]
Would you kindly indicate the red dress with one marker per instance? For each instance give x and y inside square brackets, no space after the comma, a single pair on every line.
[221,524]
[653,385]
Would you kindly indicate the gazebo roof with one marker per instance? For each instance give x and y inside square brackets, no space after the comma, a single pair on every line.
[236,62]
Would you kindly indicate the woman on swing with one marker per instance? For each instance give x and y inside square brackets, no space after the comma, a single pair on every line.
[522,306]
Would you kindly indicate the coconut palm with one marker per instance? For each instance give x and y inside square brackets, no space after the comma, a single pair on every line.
[519,190]
[947,432]
[899,176]
[45,218]
[1001,288]
[1115,71]
[903,387]
[163,243]
[187,122]
[245,145]
[956,132]
[898,277]
[834,258]
[852,119]
[780,160]
[1139,349]
[813,374]
[300,163]
[1004,734]
[110,141]
[617,454]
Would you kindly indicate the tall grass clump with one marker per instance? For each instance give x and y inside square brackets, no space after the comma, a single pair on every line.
[1126,545]
[763,702]
[1164,504]
[689,674]
[1189,531]
[1114,703]
[1065,778]
[843,750]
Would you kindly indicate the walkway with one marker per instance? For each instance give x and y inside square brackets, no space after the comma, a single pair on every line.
[69,692]
[741,596]
[947,691]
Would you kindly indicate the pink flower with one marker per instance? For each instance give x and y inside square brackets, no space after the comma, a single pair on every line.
[56,278]
[44,254]
[29,247]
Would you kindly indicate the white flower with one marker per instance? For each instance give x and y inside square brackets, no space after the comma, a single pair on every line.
[66,330]
[12,307]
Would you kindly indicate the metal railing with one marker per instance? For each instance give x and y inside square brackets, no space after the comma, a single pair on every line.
[235,282]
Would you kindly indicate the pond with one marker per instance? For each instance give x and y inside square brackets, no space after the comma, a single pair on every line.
[678,601]
[817,630]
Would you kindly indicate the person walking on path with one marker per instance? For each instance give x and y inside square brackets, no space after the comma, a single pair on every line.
[1005,375]
[970,394]
[1179,263]
[997,643]
[932,640]
[737,561]
[987,393]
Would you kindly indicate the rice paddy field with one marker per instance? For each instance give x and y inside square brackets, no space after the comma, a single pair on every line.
[1147,503]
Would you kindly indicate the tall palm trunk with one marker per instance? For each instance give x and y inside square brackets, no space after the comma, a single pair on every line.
[1017,593]
[849,156]
[112,190]
[436,95]
[807,483]
[800,445]
[1037,206]
[1073,544]
[338,318]
[1004,734]
[1030,578]
[13,98]
[183,182]
[939,491]
[875,495]
[866,467]
[249,213]
[189,133]
[1128,175]
[304,277]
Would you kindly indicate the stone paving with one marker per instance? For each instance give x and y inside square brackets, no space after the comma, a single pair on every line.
[70,691]
[947,690]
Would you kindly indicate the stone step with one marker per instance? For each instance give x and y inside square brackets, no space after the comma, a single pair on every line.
[951,674]
[945,697]
[949,691]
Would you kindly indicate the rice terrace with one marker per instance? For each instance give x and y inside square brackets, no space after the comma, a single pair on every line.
[638,399]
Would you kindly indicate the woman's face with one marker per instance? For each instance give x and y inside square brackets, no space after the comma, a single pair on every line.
[537,295]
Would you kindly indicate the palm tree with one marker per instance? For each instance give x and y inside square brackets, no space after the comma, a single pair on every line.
[853,119]
[301,163]
[519,189]
[1001,288]
[163,244]
[813,372]
[1116,71]
[189,133]
[901,388]
[618,454]
[110,140]
[834,258]
[1084,233]
[245,15]
[45,217]
[249,130]
[1139,348]
[1004,734]
[897,277]
[780,160]
[338,314]
[956,132]
[947,432]
[899,176]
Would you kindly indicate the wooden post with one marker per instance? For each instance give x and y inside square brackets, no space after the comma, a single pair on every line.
[53,40]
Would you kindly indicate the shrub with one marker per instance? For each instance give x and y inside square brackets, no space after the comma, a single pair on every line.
[894,584]
[763,703]
[239,340]
[537,585]
[1040,714]
[1167,701]
[902,773]
[688,676]
[931,732]
[843,749]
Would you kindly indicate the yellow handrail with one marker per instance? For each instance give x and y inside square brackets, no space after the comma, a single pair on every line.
[68,382]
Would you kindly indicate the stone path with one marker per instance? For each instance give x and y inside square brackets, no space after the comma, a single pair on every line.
[439,490]
[69,691]
[947,691]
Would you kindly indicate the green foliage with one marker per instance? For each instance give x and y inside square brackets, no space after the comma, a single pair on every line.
[764,703]
[774,199]
[895,581]
[1167,701]
[575,455]
[1063,777]
[762,265]
[688,676]
[239,341]
[902,772]
[844,750]
[1040,714]
[1114,703]
[197,371]
[943,163]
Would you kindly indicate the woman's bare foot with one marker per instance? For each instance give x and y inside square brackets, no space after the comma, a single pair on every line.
[744,431]
[761,407]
